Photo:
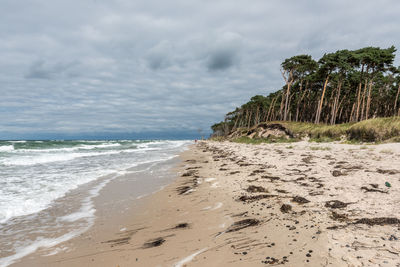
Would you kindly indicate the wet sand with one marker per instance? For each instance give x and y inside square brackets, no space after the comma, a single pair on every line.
[300,204]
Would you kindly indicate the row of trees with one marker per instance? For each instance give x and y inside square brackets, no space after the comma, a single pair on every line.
[344,86]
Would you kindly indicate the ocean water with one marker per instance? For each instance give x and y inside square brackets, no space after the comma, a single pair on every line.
[37,178]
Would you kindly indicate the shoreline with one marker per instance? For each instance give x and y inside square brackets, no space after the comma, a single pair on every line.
[298,204]
[117,200]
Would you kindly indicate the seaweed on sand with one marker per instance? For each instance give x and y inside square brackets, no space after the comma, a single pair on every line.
[183,189]
[254,198]
[378,221]
[373,190]
[189,173]
[154,243]
[239,225]
[339,217]
[336,204]
[256,189]
[300,200]
[285,208]
[181,226]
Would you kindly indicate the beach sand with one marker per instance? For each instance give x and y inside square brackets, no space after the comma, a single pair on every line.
[298,204]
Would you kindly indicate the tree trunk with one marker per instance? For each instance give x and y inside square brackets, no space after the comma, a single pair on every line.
[363,103]
[336,104]
[282,106]
[301,99]
[289,84]
[352,115]
[368,100]
[396,100]
[257,119]
[249,120]
[318,115]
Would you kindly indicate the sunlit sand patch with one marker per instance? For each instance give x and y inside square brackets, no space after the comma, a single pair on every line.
[217,206]
[189,191]
[209,179]
[215,185]
[189,258]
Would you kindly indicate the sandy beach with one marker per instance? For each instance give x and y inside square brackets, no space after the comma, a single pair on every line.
[297,204]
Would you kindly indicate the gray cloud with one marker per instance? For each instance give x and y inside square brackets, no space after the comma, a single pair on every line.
[221,60]
[120,65]
[158,56]
[225,51]
[43,70]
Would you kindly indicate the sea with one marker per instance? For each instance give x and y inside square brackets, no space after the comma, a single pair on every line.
[47,188]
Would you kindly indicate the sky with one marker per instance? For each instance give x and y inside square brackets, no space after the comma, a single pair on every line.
[110,68]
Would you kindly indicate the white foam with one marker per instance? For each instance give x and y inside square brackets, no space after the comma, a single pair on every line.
[69,149]
[73,217]
[141,196]
[48,158]
[55,251]
[189,258]
[39,243]
[33,198]
[7,148]
[87,211]
[209,179]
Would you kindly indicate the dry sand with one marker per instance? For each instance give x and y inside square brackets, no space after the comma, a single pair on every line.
[299,204]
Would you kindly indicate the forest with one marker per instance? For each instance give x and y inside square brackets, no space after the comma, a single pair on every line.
[341,87]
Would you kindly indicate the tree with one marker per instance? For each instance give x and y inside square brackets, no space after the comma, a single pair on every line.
[343,86]
[293,68]
[327,64]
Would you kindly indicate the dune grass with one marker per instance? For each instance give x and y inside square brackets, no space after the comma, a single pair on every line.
[372,130]
[318,132]
[379,129]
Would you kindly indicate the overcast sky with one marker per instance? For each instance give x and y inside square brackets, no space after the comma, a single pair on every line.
[91,66]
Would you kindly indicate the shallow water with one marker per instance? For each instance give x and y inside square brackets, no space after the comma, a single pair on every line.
[47,187]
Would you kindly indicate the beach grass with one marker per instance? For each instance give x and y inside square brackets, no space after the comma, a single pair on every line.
[377,130]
